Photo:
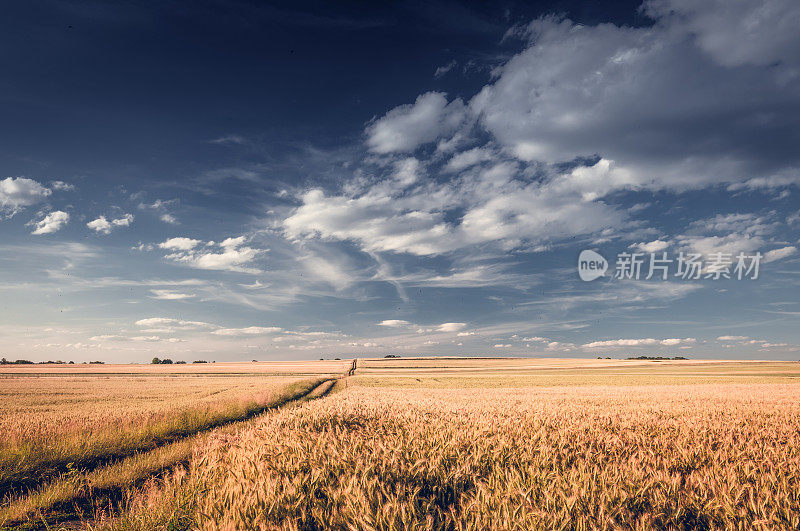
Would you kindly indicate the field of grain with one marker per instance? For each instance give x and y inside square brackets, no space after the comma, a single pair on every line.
[70,430]
[636,457]
[543,372]
[492,444]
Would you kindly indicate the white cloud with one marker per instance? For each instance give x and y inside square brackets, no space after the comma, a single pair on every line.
[406,127]
[650,106]
[469,158]
[651,247]
[394,323]
[727,234]
[233,243]
[160,206]
[168,322]
[229,140]
[106,337]
[664,101]
[145,338]
[442,70]
[677,341]
[233,256]
[460,276]
[377,222]
[766,346]
[616,343]
[169,295]
[168,218]
[779,254]
[314,335]
[61,186]
[729,244]
[228,260]
[780,179]
[100,224]
[744,223]
[104,226]
[19,192]
[407,171]
[621,343]
[450,327]
[329,268]
[497,208]
[248,331]
[124,221]
[52,222]
[560,346]
[757,33]
[179,244]
[535,213]
[732,338]
[157,339]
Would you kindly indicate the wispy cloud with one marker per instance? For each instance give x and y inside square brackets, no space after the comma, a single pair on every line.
[170,295]
[229,140]
[247,331]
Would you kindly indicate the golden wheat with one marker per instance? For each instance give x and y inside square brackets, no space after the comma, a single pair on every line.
[76,489]
[581,458]
[449,444]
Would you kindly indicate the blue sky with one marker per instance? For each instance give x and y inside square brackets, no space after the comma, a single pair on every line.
[237,181]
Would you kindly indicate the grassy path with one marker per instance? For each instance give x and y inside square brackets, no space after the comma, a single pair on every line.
[66,493]
[25,468]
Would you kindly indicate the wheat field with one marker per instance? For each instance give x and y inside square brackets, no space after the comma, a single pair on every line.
[77,436]
[495,445]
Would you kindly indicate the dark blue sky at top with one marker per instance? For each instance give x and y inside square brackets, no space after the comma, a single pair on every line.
[134,90]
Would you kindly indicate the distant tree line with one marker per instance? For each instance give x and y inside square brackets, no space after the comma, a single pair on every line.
[167,361]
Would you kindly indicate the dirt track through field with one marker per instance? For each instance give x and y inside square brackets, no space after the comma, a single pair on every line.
[70,511]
